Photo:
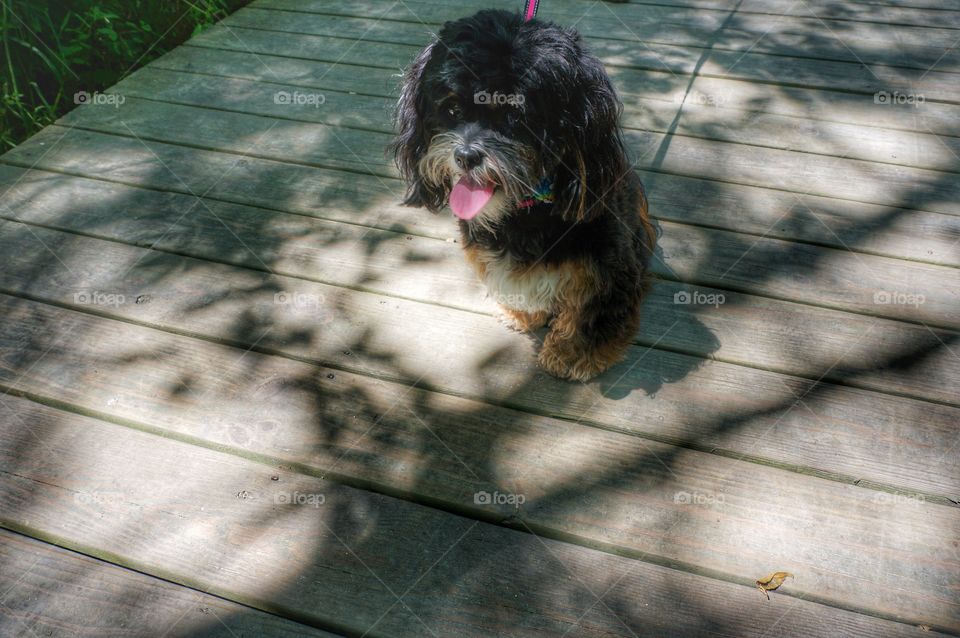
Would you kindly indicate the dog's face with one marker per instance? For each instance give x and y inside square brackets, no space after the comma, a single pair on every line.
[493,106]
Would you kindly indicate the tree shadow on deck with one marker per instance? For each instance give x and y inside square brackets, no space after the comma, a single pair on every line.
[418,402]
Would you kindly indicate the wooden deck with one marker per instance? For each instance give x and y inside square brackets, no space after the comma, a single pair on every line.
[244,392]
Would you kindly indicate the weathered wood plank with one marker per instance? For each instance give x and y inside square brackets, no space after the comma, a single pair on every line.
[873,183]
[594,486]
[361,425]
[758,67]
[914,235]
[670,396]
[767,333]
[50,591]
[171,91]
[327,562]
[943,5]
[893,16]
[745,263]
[329,145]
[633,84]
[794,37]
[860,35]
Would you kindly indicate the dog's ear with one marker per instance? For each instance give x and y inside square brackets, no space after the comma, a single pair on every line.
[593,159]
[412,138]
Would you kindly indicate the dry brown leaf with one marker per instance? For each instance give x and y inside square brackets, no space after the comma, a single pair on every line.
[772,582]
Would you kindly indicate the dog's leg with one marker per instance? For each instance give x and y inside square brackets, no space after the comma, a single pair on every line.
[588,337]
[523,321]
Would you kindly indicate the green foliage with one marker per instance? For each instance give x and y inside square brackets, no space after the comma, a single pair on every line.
[53,49]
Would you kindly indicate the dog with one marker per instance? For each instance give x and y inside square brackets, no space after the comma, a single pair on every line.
[515,125]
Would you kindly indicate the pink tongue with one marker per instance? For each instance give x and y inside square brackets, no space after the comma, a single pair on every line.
[468,197]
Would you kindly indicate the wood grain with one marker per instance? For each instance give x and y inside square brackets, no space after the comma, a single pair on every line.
[893,232]
[662,395]
[699,118]
[50,591]
[633,85]
[745,263]
[691,26]
[881,13]
[238,528]
[231,363]
[224,526]
[819,74]
[785,337]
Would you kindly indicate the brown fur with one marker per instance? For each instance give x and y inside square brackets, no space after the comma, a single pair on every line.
[475,259]
[567,353]
[524,321]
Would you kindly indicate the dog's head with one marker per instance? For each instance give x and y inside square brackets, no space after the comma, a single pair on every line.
[494,105]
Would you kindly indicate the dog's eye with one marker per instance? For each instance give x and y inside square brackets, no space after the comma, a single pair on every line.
[453,110]
[513,117]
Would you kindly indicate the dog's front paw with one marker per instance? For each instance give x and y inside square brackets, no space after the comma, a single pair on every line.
[522,321]
[564,360]
[568,357]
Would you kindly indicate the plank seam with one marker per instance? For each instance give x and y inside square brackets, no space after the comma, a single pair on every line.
[345,169]
[182,580]
[514,523]
[888,5]
[771,13]
[831,19]
[689,444]
[157,64]
[626,126]
[678,73]
[647,343]
[588,38]
[665,277]
[18,531]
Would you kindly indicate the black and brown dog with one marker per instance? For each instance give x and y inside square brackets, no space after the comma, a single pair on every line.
[515,126]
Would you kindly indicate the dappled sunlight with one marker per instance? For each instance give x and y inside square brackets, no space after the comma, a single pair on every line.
[242,366]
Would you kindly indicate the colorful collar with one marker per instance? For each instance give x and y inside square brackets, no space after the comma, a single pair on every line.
[543,195]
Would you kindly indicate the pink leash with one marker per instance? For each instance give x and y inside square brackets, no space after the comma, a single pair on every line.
[530,10]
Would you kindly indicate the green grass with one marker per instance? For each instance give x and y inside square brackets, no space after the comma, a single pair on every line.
[53,50]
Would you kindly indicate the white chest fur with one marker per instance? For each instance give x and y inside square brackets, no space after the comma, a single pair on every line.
[522,287]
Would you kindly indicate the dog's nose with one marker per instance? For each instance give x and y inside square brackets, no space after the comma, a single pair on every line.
[467,157]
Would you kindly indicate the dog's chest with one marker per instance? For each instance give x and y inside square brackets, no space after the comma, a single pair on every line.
[524,287]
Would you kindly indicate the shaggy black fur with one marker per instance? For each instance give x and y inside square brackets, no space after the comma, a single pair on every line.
[564,127]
